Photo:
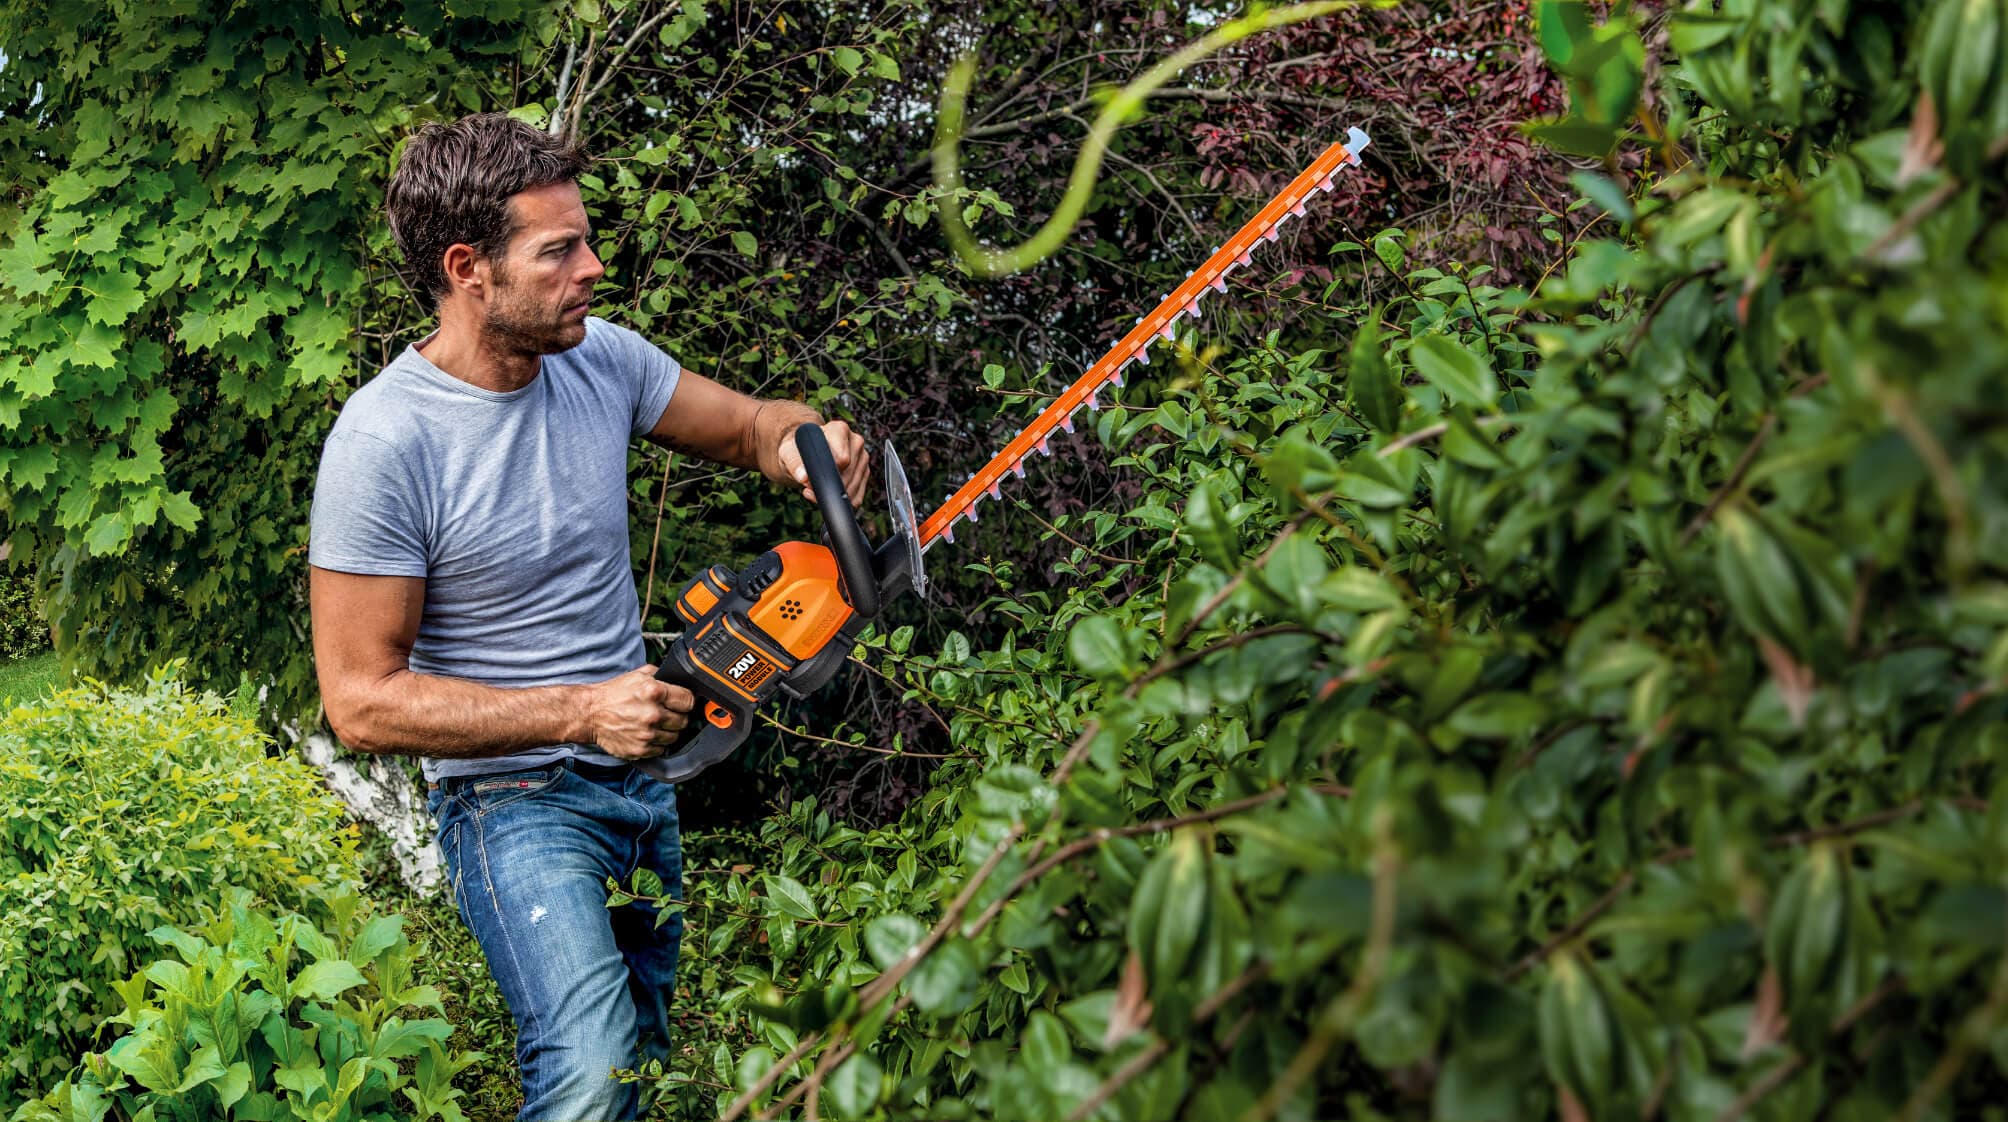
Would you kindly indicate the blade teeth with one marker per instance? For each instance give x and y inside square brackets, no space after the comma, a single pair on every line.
[1242,260]
[1192,309]
[1142,355]
[1298,210]
[1220,282]
[993,490]
[1018,467]
[1094,406]
[1044,450]
[1167,331]
[948,533]
[1116,379]
[1356,142]
[1067,422]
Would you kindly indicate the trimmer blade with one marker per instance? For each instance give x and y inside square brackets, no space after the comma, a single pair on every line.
[905,520]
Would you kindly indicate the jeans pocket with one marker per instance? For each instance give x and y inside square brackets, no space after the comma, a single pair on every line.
[487,792]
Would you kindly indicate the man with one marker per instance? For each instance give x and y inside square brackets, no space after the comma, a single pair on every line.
[473,601]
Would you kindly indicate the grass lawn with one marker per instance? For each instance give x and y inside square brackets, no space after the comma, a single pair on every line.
[27,678]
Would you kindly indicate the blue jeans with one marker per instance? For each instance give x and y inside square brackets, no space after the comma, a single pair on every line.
[529,853]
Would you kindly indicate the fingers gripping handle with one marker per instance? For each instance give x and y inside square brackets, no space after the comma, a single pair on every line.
[718,725]
[854,553]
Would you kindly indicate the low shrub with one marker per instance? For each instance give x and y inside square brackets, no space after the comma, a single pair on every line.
[123,810]
[23,631]
[256,1017]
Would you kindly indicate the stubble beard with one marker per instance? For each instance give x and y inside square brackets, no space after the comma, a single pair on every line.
[523,329]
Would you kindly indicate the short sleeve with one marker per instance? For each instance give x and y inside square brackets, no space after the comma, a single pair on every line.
[655,374]
[365,516]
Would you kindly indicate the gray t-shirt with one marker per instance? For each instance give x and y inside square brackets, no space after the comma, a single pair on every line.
[512,506]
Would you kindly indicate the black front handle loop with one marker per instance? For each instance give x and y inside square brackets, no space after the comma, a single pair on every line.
[847,541]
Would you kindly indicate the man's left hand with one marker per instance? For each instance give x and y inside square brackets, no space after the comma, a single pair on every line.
[846,448]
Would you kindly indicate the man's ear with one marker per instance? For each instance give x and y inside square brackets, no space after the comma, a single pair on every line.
[466,270]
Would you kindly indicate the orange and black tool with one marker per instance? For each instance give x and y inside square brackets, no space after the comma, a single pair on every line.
[785,622]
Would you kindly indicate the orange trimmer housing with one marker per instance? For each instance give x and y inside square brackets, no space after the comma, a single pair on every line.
[785,623]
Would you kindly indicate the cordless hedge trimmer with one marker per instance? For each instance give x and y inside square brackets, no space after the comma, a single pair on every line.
[787,621]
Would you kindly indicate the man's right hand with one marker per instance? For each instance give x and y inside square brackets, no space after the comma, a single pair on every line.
[634,716]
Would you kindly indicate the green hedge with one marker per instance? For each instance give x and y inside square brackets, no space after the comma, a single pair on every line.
[1587,702]
[269,1017]
[121,811]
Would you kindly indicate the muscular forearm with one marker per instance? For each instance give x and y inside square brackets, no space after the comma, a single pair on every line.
[408,713]
[771,425]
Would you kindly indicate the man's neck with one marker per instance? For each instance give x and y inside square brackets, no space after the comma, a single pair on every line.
[463,350]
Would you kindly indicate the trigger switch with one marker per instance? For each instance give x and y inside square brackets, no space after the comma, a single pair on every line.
[759,577]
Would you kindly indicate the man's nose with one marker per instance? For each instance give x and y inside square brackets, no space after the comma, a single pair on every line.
[593,270]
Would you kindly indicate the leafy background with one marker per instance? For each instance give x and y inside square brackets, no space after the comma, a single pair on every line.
[1558,610]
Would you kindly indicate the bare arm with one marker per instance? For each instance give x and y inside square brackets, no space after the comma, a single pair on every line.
[710,421]
[364,628]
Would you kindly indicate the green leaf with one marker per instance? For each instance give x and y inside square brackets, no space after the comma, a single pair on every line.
[1563,27]
[108,534]
[1499,716]
[1182,909]
[854,1086]
[181,512]
[377,936]
[206,1064]
[326,979]
[754,1063]
[1370,382]
[744,243]
[399,1038]
[1097,647]
[1464,376]
[114,298]
[1575,136]
[1604,193]
[848,60]
[889,937]
[1387,247]
[1206,520]
[1296,571]
[789,896]
[96,345]
[944,982]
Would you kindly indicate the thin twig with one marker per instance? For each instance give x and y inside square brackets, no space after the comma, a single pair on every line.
[1336,1019]
[1782,1074]
[1924,207]
[1734,481]
[655,540]
[1686,852]
[1142,1061]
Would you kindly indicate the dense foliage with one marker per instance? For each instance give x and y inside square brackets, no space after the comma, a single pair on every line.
[1584,701]
[193,197]
[22,631]
[187,194]
[120,811]
[257,1016]
[1573,687]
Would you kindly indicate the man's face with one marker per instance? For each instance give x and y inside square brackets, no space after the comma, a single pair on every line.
[542,282]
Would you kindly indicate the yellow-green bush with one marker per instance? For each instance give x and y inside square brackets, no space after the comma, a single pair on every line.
[268,1016]
[121,811]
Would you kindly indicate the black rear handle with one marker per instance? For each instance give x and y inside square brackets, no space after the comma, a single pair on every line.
[840,522]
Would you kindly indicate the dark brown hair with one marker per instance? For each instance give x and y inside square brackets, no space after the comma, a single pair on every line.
[453,183]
